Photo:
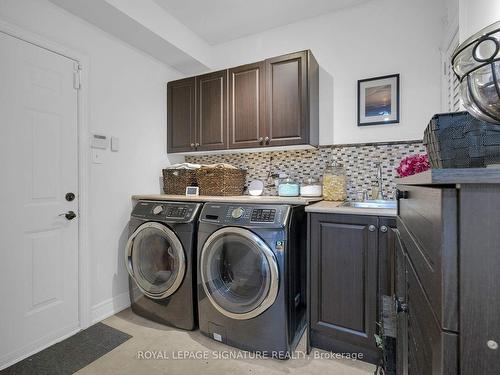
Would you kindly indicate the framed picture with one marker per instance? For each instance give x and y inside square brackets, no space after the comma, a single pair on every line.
[378,100]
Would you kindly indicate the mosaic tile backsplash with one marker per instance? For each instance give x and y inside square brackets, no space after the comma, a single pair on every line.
[359,162]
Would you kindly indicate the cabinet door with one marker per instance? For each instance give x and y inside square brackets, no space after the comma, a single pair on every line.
[181,115]
[211,114]
[287,99]
[247,122]
[402,318]
[344,282]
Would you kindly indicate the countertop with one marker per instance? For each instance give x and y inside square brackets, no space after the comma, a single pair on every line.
[327,207]
[452,176]
[234,199]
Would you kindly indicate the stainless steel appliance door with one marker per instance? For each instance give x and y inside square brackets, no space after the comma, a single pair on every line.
[155,259]
[239,273]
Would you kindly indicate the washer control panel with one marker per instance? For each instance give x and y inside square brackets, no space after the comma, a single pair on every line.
[263,215]
[177,211]
[166,211]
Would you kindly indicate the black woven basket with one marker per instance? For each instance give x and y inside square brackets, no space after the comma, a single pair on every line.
[458,140]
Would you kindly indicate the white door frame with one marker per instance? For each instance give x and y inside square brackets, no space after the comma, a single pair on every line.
[83,159]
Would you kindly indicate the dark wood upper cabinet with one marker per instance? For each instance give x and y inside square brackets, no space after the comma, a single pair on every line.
[287,99]
[211,113]
[247,120]
[181,115]
[269,103]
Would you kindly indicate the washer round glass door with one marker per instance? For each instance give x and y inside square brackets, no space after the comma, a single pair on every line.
[239,273]
[155,260]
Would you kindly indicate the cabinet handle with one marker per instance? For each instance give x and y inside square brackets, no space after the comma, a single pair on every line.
[197,145]
[372,228]
[383,229]
[401,194]
[267,139]
[401,307]
[261,140]
[192,145]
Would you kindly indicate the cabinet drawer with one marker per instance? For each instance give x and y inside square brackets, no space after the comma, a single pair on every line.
[430,350]
[427,223]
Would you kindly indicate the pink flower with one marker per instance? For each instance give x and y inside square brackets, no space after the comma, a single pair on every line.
[413,164]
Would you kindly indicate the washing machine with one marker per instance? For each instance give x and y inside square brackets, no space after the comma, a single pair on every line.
[251,276]
[160,257]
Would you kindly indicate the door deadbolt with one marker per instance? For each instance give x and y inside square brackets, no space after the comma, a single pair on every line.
[70,197]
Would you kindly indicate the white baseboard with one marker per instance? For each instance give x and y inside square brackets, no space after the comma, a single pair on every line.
[110,307]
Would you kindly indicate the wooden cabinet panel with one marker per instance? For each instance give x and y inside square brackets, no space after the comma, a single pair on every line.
[401,317]
[181,115]
[479,280]
[269,103]
[287,99]
[247,121]
[430,350]
[423,347]
[344,281]
[428,227]
[211,114]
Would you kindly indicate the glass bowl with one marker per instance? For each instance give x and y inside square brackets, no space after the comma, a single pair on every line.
[476,62]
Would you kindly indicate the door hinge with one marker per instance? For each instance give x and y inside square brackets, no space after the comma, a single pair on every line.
[77,84]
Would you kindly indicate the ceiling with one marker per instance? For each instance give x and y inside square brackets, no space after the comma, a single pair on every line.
[218,21]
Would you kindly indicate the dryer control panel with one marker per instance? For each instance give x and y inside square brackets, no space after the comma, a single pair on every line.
[245,214]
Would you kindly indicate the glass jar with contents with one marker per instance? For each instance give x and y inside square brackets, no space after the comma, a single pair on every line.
[311,187]
[335,182]
[288,188]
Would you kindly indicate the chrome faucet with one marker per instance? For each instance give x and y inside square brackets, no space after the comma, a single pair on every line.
[380,194]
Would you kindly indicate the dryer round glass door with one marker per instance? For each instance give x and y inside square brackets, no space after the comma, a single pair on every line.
[155,260]
[239,273]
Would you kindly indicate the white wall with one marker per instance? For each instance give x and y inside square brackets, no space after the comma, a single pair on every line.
[376,38]
[476,14]
[127,96]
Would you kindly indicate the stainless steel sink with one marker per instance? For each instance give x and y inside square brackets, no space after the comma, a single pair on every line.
[371,204]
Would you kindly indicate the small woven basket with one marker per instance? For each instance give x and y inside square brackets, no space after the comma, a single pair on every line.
[458,140]
[175,181]
[221,181]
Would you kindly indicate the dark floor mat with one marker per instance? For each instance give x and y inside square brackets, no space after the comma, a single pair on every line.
[72,354]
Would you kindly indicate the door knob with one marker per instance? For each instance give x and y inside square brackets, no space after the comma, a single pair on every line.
[383,229]
[192,145]
[197,144]
[267,139]
[70,215]
[261,140]
[372,228]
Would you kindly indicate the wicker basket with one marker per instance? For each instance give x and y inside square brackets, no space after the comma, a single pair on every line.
[458,140]
[175,181]
[221,181]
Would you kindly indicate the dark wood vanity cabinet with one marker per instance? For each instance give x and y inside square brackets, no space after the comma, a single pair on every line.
[268,103]
[349,269]
[447,259]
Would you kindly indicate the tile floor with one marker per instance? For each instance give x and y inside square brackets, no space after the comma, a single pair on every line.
[149,337]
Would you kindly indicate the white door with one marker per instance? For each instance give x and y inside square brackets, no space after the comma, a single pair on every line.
[38,166]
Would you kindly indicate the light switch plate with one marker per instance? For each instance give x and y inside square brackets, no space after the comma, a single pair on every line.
[97,156]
